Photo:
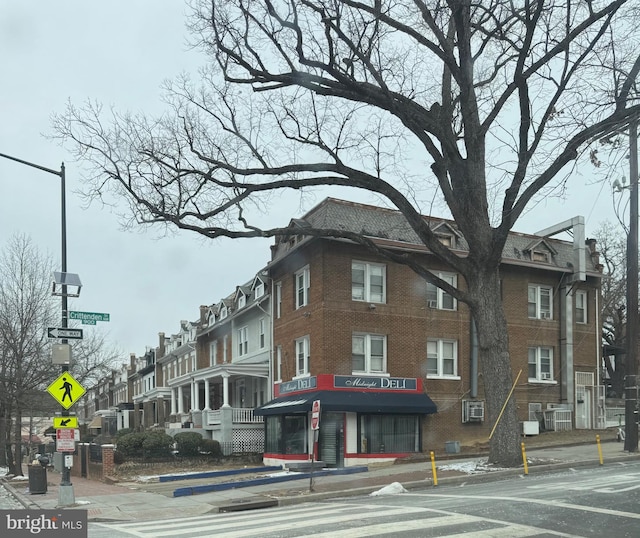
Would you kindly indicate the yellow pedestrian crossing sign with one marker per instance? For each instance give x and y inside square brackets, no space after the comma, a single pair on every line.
[66,390]
[65,422]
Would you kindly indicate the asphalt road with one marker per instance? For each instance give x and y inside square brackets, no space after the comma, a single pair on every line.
[601,501]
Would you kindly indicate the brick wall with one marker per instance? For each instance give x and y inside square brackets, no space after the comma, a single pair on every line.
[331,317]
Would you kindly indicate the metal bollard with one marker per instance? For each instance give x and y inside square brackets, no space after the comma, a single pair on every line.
[599,449]
[524,459]
[433,468]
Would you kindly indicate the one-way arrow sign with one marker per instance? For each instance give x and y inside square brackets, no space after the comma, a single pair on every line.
[53,332]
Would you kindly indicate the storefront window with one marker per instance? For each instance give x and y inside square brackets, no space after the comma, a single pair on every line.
[274,434]
[286,434]
[381,434]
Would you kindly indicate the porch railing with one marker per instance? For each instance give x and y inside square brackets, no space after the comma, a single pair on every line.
[240,415]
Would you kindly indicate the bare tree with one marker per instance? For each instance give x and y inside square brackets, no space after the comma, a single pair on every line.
[26,309]
[613,255]
[500,99]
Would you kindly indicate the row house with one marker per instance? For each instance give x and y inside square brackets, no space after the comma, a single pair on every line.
[217,370]
[393,360]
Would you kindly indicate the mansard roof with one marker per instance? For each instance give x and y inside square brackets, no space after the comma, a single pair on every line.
[392,227]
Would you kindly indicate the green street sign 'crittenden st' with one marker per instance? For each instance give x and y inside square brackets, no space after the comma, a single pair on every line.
[88,318]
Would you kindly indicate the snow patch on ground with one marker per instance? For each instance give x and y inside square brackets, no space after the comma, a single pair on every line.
[392,489]
[471,467]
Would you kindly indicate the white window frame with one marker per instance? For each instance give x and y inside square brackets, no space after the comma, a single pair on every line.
[581,307]
[366,341]
[436,296]
[302,356]
[279,363]
[242,300]
[259,289]
[243,341]
[302,283]
[225,348]
[544,372]
[535,294]
[262,334]
[278,291]
[364,292]
[224,311]
[437,350]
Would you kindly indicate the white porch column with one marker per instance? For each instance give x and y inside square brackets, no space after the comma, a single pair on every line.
[173,401]
[191,398]
[206,395]
[180,401]
[225,390]
[196,395]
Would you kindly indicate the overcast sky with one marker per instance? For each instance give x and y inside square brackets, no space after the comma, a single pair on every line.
[119,53]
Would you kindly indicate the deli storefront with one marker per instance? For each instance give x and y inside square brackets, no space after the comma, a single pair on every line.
[363,419]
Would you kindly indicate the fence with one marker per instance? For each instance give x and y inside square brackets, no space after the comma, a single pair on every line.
[557,420]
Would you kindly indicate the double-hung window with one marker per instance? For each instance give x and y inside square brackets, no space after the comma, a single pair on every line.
[369,353]
[213,353]
[442,358]
[437,298]
[540,302]
[368,282]
[302,287]
[302,355]
[243,341]
[581,306]
[262,332]
[540,364]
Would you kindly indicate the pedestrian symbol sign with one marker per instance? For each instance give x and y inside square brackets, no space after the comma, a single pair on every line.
[66,390]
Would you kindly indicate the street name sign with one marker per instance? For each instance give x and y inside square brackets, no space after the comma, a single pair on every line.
[60,423]
[89,318]
[75,334]
[66,390]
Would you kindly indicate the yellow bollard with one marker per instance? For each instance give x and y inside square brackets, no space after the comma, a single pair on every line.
[524,459]
[599,449]
[433,468]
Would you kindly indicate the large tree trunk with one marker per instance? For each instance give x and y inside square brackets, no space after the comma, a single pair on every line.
[15,463]
[495,365]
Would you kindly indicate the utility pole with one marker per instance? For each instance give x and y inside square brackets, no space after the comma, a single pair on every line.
[631,384]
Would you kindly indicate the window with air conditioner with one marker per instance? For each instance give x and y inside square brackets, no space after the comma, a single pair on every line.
[540,302]
[540,364]
[437,298]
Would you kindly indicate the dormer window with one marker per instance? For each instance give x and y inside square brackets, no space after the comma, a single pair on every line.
[446,240]
[224,312]
[540,256]
[259,289]
[242,300]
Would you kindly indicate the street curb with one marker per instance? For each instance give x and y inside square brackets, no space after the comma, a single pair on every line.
[492,476]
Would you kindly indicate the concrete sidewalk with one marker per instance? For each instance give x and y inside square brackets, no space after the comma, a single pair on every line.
[133,501]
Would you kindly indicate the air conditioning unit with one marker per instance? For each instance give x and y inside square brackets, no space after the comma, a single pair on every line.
[545,375]
[545,315]
[472,411]
[433,304]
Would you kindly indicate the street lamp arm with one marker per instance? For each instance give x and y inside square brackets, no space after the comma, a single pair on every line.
[58,173]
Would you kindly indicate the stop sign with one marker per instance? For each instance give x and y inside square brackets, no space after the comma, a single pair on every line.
[315,415]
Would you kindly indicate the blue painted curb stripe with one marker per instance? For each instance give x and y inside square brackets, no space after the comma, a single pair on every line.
[207,488]
[213,474]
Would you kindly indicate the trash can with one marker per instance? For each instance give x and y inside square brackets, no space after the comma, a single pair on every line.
[37,479]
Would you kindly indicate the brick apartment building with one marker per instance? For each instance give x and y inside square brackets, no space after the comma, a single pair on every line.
[392,359]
